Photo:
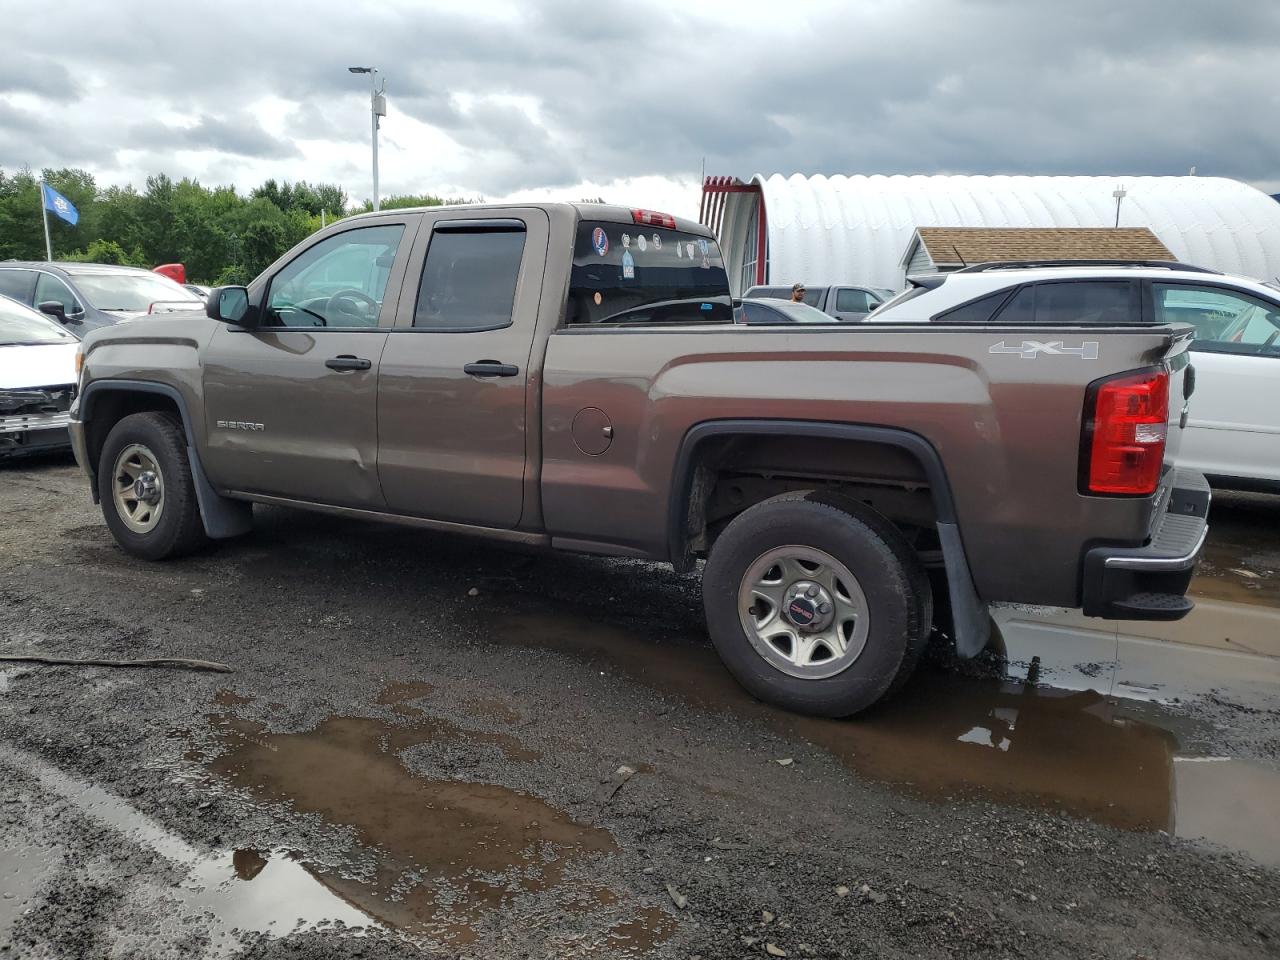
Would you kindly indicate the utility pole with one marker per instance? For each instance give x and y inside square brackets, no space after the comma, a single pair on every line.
[1119,193]
[377,109]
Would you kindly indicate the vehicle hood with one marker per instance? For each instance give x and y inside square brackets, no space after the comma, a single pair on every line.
[37,365]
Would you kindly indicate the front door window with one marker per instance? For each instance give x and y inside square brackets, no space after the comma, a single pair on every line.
[338,283]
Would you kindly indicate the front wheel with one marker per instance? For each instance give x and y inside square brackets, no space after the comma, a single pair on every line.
[813,606]
[146,490]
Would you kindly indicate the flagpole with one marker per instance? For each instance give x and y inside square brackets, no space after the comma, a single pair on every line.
[44,214]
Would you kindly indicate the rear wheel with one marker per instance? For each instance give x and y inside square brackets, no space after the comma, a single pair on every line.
[146,490]
[817,607]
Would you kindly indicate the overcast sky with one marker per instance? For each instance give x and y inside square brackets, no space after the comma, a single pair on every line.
[625,98]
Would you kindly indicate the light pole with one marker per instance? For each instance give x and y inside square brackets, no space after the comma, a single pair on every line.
[1119,193]
[377,108]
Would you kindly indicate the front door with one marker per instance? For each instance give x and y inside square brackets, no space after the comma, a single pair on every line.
[451,396]
[1233,419]
[291,405]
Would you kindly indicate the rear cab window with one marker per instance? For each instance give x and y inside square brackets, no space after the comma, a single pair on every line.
[635,274]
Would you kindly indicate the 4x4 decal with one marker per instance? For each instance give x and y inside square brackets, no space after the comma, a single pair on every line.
[1030,349]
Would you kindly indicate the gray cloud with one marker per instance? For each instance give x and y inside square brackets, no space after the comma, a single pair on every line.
[620,90]
[45,76]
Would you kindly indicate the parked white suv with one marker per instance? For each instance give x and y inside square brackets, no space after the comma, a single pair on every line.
[1233,425]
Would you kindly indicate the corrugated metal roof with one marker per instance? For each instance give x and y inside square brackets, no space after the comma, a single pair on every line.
[856,229]
[961,246]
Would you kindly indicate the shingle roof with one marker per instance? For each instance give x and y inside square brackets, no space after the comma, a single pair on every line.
[957,246]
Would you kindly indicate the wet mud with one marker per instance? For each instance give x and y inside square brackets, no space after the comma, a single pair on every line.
[947,735]
[450,854]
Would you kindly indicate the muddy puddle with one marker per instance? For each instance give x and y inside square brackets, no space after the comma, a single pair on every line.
[945,735]
[454,859]
[231,891]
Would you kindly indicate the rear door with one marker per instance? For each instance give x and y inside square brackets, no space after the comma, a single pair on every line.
[451,398]
[1233,421]
[291,405]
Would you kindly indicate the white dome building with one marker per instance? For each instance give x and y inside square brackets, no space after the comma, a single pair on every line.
[825,230]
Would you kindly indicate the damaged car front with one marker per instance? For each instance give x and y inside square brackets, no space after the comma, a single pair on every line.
[37,380]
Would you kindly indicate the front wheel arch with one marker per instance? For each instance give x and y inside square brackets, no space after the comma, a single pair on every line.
[105,402]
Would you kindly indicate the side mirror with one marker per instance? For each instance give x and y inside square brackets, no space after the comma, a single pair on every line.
[228,304]
[54,309]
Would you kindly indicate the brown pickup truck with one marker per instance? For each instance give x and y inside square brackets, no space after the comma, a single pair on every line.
[570,376]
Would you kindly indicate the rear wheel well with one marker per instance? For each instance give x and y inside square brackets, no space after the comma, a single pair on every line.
[730,473]
[112,406]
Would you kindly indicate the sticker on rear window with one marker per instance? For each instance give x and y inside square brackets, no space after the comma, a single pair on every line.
[600,241]
[628,266]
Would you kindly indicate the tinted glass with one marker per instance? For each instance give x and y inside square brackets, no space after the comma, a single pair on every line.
[854,301]
[21,325]
[619,267]
[1068,304]
[49,287]
[337,283]
[17,284]
[469,280]
[979,311]
[1224,320]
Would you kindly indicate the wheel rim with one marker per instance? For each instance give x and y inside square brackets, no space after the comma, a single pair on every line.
[138,488]
[803,611]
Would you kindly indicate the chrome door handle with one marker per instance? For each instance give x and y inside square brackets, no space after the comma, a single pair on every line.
[491,368]
[347,362]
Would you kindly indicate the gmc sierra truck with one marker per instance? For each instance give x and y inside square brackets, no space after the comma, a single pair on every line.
[569,376]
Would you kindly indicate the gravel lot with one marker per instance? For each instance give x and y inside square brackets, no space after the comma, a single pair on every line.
[431,747]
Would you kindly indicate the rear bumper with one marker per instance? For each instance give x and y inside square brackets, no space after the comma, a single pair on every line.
[1150,582]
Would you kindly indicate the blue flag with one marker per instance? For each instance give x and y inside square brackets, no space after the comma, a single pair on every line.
[57,203]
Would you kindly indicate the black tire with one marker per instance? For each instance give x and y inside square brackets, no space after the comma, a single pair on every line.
[179,529]
[922,585]
[895,586]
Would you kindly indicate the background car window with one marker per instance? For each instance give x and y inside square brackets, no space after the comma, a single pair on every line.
[469,280]
[855,301]
[979,311]
[337,283]
[1072,303]
[49,287]
[17,284]
[1224,321]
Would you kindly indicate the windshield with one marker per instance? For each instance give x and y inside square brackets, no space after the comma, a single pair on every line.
[618,267]
[134,292]
[18,325]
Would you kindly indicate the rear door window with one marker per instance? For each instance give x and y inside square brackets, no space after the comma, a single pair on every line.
[469,277]
[1074,303]
[17,285]
[619,268]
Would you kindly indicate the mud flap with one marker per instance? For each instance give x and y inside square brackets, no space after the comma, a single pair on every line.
[223,518]
[971,621]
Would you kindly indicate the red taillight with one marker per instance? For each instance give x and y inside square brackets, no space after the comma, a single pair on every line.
[1126,433]
[651,218]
